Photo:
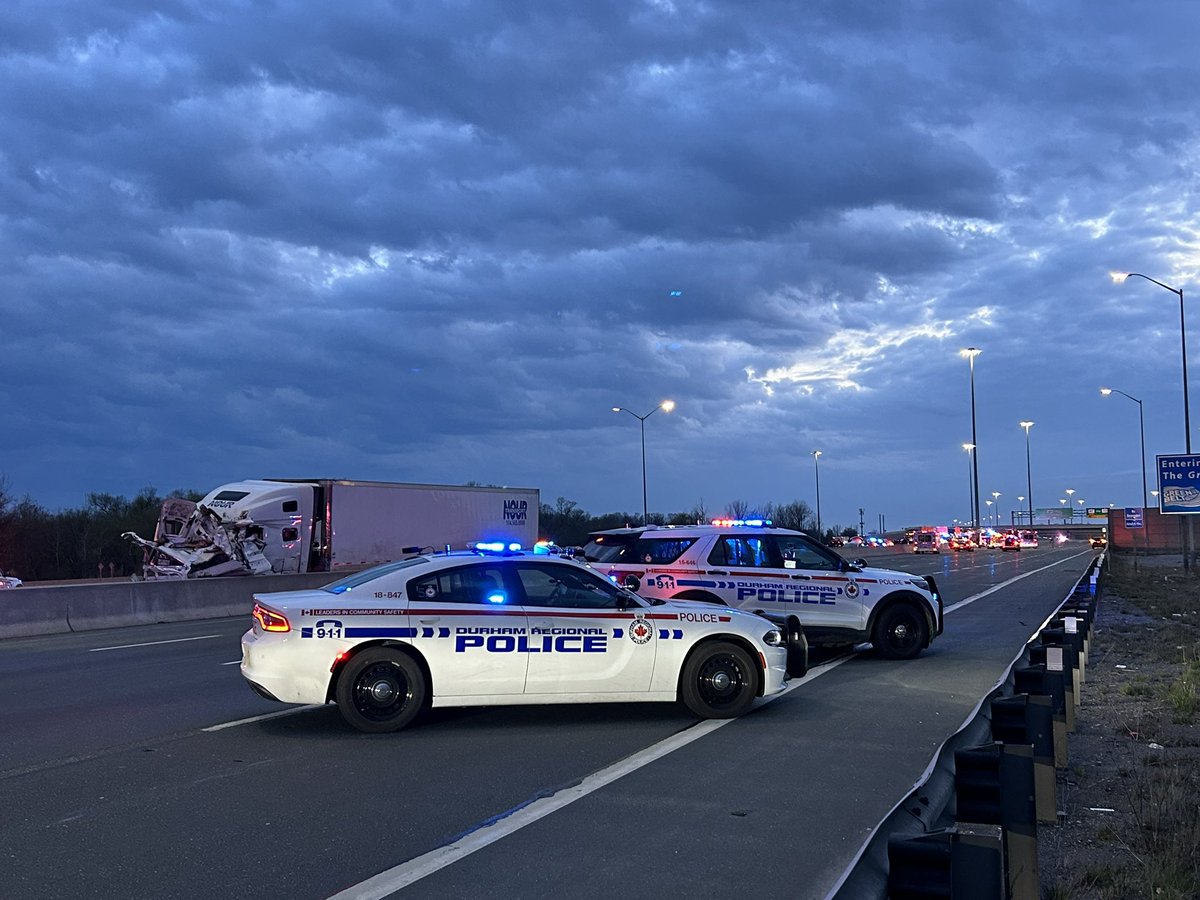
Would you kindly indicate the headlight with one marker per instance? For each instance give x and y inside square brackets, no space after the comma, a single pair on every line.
[919,582]
[773,638]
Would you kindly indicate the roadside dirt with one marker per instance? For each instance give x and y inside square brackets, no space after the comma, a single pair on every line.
[1129,798]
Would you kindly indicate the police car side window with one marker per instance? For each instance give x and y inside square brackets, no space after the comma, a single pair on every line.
[563,586]
[799,554]
[733,550]
[661,550]
[482,585]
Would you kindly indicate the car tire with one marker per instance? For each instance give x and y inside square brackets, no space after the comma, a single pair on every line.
[720,681]
[901,632]
[381,690]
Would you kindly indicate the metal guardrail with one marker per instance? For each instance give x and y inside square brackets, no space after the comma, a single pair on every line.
[928,829]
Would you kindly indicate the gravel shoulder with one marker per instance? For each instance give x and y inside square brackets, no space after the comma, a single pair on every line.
[1129,798]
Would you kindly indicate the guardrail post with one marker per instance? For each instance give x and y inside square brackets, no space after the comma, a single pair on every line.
[965,862]
[1029,719]
[1086,613]
[994,785]
[1061,652]
[1036,678]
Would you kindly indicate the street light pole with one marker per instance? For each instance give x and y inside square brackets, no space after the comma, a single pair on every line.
[1119,278]
[970,353]
[996,497]
[1142,428]
[816,455]
[1069,492]
[665,406]
[971,498]
[1028,471]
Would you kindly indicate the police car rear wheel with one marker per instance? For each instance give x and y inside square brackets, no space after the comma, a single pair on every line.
[381,690]
[901,632]
[720,681]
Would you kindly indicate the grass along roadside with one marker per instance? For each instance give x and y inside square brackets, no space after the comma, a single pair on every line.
[1129,799]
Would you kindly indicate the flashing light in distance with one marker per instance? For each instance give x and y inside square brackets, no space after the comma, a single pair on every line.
[729,523]
[269,620]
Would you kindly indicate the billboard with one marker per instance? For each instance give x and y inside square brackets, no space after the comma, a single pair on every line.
[1178,483]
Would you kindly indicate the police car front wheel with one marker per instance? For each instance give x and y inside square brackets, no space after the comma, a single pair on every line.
[381,690]
[720,681]
[901,632]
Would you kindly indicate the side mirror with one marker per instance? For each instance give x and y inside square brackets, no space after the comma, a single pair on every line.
[632,583]
[858,563]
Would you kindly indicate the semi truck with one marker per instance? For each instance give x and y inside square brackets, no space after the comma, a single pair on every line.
[282,525]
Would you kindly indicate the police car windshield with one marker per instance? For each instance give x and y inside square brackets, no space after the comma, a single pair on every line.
[648,547]
[352,581]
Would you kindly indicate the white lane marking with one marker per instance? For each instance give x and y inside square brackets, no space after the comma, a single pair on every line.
[233,662]
[961,603]
[264,717]
[401,876]
[203,637]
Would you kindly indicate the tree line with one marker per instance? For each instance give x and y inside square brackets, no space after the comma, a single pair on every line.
[39,545]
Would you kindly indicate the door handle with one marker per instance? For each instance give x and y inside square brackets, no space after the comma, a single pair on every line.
[431,621]
[802,577]
[715,572]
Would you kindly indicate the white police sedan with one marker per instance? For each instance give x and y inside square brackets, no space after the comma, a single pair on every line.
[496,626]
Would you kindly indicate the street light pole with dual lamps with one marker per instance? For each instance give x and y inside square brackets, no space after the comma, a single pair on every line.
[996,511]
[1028,470]
[1069,492]
[666,406]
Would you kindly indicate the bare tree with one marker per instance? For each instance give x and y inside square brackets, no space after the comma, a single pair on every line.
[797,515]
[738,509]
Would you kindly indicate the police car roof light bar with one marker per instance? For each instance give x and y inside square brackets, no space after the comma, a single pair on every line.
[728,523]
[495,547]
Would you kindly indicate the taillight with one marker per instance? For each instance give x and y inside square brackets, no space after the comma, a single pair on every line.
[269,620]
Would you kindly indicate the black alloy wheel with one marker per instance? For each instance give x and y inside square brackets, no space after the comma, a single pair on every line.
[720,681]
[381,690]
[901,632]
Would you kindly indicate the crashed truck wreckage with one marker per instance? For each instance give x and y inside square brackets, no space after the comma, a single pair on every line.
[283,526]
[194,541]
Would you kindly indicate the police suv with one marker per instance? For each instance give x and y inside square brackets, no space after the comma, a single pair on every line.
[751,565]
[499,626]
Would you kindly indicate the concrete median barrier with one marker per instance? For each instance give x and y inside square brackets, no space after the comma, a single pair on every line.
[27,611]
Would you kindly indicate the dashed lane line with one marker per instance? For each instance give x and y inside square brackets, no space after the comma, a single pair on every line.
[203,637]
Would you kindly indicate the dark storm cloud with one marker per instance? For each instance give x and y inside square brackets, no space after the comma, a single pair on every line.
[439,242]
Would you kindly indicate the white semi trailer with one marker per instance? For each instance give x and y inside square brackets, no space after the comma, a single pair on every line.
[280,525]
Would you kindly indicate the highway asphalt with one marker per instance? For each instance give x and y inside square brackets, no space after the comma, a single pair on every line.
[123,774]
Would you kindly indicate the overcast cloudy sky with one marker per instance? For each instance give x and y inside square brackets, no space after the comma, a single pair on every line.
[438,242]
